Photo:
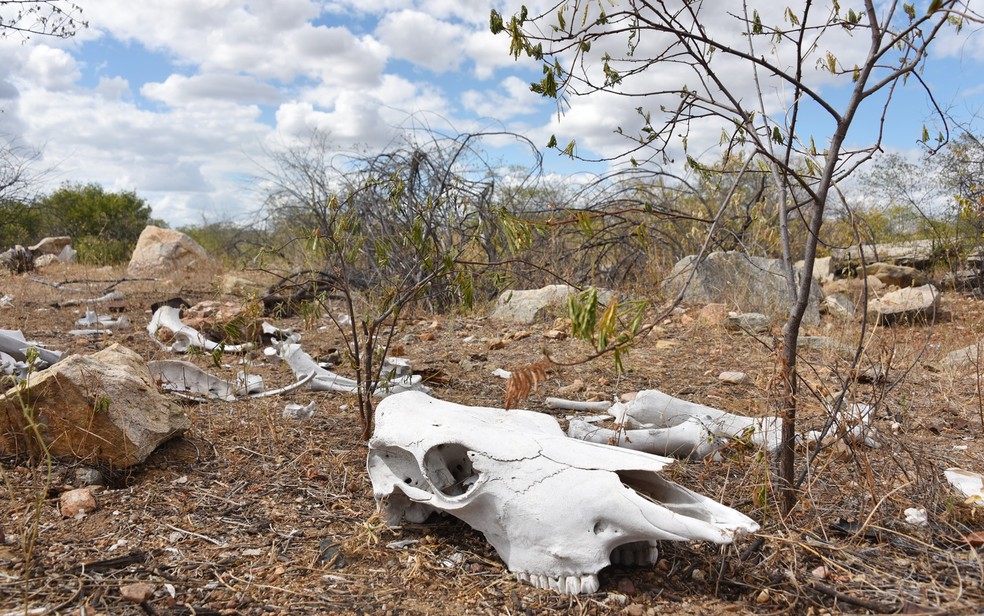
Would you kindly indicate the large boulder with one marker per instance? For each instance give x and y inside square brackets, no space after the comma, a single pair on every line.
[531,305]
[102,409]
[743,282]
[897,275]
[162,252]
[910,304]
[51,245]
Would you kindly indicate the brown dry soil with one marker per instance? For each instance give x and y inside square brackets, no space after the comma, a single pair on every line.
[249,513]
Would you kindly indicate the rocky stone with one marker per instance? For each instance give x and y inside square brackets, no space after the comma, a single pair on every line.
[917,253]
[823,343]
[754,322]
[165,252]
[963,280]
[533,305]
[838,305]
[713,314]
[821,269]
[753,284]
[897,275]
[909,304]
[963,359]
[51,245]
[138,592]
[89,477]
[230,284]
[102,409]
[17,259]
[74,502]
[732,377]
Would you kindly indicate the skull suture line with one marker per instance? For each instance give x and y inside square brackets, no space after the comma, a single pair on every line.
[557,510]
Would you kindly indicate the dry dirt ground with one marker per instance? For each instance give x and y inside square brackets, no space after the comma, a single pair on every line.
[250,513]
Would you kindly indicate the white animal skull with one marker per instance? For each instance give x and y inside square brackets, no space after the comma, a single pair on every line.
[557,510]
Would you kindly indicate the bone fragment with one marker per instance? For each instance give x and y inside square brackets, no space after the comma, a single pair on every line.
[186,379]
[112,296]
[577,405]
[658,423]
[325,380]
[13,343]
[185,337]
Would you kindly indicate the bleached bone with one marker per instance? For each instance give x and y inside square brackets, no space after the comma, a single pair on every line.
[96,321]
[186,378]
[13,344]
[326,380]
[557,510]
[577,405]
[112,296]
[658,423]
[185,336]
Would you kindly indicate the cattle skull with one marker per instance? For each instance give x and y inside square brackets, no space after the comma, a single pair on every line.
[557,510]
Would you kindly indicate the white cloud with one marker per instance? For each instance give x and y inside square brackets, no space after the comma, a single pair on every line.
[422,39]
[179,90]
[52,68]
[513,98]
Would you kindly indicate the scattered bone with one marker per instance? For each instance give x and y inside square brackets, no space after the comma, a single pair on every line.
[299,411]
[112,296]
[499,471]
[185,337]
[325,380]
[658,423]
[187,379]
[502,374]
[13,343]
[577,405]
[969,483]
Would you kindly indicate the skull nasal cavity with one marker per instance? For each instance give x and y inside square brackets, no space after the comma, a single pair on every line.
[449,469]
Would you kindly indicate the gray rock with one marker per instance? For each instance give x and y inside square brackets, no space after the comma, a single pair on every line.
[51,245]
[909,304]
[532,305]
[754,322]
[753,284]
[734,378]
[838,304]
[897,275]
[963,359]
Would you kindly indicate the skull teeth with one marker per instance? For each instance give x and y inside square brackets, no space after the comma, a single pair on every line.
[567,584]
[638,553]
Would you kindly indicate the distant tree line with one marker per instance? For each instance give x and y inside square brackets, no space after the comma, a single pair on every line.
[104,226]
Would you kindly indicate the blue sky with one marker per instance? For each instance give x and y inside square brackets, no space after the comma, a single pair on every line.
[180,99]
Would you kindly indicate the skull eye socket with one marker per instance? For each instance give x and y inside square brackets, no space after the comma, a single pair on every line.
[449,469]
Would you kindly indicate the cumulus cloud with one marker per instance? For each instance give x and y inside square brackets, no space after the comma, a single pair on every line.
[53,69]
[422,39]
[512,98]
[180,90]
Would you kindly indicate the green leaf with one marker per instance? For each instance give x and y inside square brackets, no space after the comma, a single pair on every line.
[910,10]
[495,22]
[756,23]
[552,143]
[934,6]
[569,150]
[777,135]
